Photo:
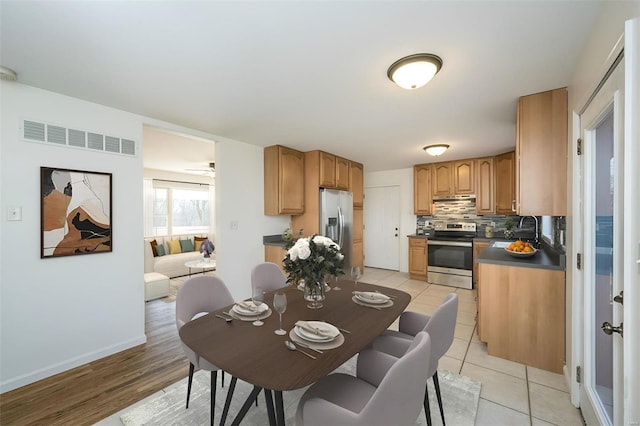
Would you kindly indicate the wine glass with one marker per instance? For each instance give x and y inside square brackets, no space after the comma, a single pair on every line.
[257,297]
[355,274]
[280,305]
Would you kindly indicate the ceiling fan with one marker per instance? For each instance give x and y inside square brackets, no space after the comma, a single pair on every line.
[210,171]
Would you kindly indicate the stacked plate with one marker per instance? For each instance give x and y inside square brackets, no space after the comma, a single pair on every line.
[371,298]
[248,311]
[316,331]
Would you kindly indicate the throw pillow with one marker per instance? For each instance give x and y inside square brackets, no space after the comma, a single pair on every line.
[154,249]
[160,250]
[186,245]
[174,247]
[198,242]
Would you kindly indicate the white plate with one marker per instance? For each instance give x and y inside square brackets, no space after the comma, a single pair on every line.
[372,298]
[330,332]
[248,312]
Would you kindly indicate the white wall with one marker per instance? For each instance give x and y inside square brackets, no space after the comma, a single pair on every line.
[404,179]
[58,313]
[240,200]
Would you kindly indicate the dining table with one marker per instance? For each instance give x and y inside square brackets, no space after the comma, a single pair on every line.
[258,356]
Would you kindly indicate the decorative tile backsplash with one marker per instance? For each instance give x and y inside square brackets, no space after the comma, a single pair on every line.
[465,211]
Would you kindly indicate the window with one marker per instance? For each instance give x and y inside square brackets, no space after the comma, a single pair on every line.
[180,208]
[546,229]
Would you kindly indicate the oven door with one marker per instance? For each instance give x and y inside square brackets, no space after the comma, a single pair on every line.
[450,263]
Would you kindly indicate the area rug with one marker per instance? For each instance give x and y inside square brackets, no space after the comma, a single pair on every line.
[460,397]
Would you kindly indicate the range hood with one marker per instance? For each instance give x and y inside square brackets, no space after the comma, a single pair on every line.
[470,197]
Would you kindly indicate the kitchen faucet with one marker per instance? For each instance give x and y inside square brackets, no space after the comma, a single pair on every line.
[535,219]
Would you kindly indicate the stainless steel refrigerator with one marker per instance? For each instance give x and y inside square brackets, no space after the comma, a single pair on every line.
[336,221]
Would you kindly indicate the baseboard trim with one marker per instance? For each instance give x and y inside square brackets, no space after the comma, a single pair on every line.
[43,373]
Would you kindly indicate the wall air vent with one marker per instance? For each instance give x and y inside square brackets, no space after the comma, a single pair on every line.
[33,131]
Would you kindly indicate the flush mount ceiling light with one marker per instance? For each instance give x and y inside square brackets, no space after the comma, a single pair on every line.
[414,71]
[436,150]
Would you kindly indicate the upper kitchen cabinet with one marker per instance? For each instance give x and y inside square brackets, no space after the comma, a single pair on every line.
[283,181]
[463,177]
[422,189]
[342,173]
[356,183]
[485,186]
[505,169]
[541,154]
[334,171]
[453,178]
[441,179]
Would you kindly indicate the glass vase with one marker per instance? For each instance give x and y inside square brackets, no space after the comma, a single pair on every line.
[314,293]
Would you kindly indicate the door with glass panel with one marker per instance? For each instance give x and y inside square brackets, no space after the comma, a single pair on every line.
[601,396]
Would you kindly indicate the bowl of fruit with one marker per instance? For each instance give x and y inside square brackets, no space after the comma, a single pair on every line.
[521,249]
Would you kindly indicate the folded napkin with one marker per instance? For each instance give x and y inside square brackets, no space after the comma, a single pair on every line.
[371,295]
[248,306]
[315,330]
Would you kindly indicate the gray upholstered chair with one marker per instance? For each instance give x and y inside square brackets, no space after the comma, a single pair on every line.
[385,391]
[267,276]
[440,326]
[202,294]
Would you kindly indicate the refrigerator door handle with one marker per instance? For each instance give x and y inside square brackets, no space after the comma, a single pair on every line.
[340,226]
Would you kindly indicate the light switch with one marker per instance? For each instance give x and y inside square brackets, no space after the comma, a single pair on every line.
[234,225]
[14,213]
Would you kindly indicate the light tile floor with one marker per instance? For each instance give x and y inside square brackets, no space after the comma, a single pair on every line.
[512,394]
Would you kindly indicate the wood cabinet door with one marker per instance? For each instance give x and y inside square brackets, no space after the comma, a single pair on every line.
[505,183]
[356,183]
[463,177]
[275,254]
[422,189]
[541,154]
[478,246]
[485,186]
[358,225]
[441,179]
[358,256]
[291,178]
[342,173]
[327,170]
[418,259]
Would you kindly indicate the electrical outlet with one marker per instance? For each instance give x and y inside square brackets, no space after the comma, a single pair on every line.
[14,213]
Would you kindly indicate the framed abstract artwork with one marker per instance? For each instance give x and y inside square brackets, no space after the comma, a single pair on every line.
[75,212]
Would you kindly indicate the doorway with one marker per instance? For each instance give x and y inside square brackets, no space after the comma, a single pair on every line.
[382,227]
[607,238]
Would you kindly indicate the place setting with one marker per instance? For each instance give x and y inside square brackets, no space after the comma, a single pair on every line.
[372,299]
[316,335]
[251,310]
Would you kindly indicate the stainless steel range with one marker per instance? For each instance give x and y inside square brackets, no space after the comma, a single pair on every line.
[450,254]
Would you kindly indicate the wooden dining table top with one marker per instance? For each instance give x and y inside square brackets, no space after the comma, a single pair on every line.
[258,356]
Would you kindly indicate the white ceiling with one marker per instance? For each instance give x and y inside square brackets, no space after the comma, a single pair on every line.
[307,75]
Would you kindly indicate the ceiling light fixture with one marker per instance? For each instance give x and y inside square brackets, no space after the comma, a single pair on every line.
[436,150]
[414,71]
[7,74]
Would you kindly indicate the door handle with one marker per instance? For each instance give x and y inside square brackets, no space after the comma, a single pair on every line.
[618,298]
[609,329]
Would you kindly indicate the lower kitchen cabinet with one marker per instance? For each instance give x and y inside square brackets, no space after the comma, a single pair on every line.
[521,314]
[478,246]
[275,254]
[418,259]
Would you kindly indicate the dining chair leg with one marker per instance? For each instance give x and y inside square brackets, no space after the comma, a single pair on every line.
[427,412]
[214,379]
[227,402]
[222,378]
[191,368]
[268,399]
[436,383]
[247,404]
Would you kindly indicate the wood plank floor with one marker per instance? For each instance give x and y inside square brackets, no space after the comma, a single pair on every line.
[91,392]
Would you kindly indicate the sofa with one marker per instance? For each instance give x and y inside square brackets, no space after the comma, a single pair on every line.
[170,264]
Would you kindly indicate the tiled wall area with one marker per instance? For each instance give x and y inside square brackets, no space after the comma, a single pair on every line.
[465,210]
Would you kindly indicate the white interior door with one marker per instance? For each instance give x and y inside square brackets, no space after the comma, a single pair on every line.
[602,133]
[382,227]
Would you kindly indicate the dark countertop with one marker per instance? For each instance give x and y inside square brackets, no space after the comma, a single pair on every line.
[543,259]
[273,240]
[417,236]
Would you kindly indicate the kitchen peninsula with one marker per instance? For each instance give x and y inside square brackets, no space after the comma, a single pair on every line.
[521,307]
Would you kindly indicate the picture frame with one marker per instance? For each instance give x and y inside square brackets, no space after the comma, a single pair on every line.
[75,212]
